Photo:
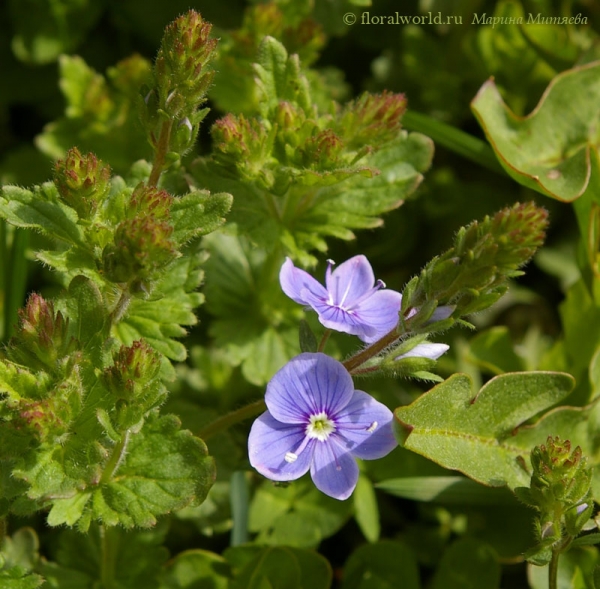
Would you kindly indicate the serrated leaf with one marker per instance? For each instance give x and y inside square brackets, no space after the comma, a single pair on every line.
[41,211]
[550,149]
[383,565]
[165,469]
[86,309]
[475,434]
[198,213]
[174,299]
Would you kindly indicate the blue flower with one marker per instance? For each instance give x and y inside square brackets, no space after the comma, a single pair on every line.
[316,421]
[351,302]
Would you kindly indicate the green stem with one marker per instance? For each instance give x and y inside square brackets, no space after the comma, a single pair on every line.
[117,456]
[240,500]
[232,418]
[454,139]
[324,339]
[358,359]
[108,549]
[121,307]
[161,153]
[553,569]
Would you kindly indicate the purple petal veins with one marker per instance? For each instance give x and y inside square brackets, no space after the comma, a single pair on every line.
[316,421]
[351,301]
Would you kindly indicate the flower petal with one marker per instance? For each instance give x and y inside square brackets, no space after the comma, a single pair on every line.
[380,312]
[334,471]
[269,442]
[339,319]
[294,281]
[307,385]
[426,350]
[365,427]
[350,280]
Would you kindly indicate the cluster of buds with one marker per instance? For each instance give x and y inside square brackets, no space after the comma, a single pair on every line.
[560,491]
[142,248]
[134,381]
[147,201]
[42,336]
[472,275]
[82,181]
[371,119]
[182,79]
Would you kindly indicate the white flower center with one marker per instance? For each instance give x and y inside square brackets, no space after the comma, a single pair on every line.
[320,427]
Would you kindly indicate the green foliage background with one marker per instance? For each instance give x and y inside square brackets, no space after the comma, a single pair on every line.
[71,76]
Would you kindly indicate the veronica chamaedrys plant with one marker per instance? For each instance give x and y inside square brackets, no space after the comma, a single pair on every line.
[351,301]
[317,421]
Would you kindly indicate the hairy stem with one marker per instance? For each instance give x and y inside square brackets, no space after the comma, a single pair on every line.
[117,456]
[161,152]
[232,418]
[121,307]
[358,359]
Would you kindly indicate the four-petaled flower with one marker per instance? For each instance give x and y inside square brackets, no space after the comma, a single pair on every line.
[316,420]
[351,302]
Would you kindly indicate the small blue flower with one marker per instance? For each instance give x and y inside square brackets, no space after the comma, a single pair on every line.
[316,421]
[351,302]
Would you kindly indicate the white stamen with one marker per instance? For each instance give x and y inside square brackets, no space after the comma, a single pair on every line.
[291,457]
[372,427]
[320,426]
[331,262]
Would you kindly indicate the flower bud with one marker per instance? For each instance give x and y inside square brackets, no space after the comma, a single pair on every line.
[82,182]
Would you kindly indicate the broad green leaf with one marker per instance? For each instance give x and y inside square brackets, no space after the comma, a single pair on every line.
[447,490]
[475,434]
[383,565]
[468,564]
[493,351]
[193,569]
[18,578]
[550,150]
[278,566]
[366,510]
[18,557]
[40,210]
[165,469]
[85,308]
[297,515]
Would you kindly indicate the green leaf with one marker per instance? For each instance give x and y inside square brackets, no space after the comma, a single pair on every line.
[194,569]
[165,469]
[101,113]
[174,299]
[493,351]
[468,564]
[18,556]
[550,149]
[198,213]
[297,515]
[85,308]
[366,509]
[475,434]
[278,566]
[44,30]
[448,490]
[41,211]
[383,565]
